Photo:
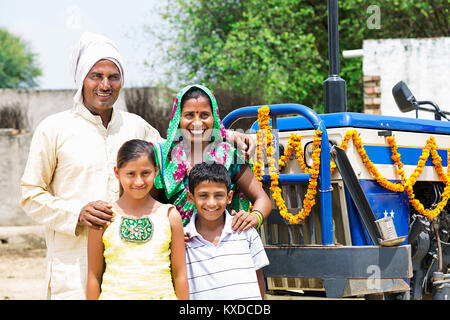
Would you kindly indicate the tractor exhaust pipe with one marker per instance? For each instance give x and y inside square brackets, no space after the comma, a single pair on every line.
[335,92]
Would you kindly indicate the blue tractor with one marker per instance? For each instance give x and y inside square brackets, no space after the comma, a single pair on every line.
[361,238]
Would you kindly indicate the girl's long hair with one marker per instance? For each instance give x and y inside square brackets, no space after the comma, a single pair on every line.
[132,150]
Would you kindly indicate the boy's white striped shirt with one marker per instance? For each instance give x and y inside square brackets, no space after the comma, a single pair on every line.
[227,271]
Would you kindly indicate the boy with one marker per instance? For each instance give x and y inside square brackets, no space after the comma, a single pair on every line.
[220,264]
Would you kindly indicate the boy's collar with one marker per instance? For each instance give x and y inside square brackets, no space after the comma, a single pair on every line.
[190,227]
[228,221]
[193,230]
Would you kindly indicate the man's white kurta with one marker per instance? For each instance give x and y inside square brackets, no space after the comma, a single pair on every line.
[70,164]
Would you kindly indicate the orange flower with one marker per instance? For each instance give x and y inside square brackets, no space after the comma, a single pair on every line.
[430,148]
[294,143]
[264,139]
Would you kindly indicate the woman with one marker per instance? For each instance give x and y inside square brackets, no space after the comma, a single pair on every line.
[196,134]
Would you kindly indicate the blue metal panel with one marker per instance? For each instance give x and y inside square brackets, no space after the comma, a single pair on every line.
[291,178]
[362,120]
[383,202]
[409,156]
[357,231]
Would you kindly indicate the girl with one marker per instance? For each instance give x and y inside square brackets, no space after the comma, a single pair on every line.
[196,134]
[141,254]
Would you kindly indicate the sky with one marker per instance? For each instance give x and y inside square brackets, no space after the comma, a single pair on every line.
[51,28]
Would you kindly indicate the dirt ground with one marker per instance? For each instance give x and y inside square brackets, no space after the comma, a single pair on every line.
[22,274]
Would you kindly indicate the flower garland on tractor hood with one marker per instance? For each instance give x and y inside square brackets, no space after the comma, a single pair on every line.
[264,141]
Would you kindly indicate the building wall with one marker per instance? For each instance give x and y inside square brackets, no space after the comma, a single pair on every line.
[423,64]
[13,156]
[38,104]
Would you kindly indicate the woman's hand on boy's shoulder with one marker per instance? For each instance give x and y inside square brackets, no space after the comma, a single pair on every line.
[243,221]
[187,238]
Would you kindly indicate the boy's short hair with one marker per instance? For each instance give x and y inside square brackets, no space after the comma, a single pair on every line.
[208,172]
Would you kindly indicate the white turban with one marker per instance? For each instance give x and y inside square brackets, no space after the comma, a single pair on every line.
[88,51]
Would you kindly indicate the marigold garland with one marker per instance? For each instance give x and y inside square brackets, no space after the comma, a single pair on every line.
[353,134]
[406,184]
[430,148]
[264,138]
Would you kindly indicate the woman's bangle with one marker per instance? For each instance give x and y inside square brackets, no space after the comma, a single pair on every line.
[259,216]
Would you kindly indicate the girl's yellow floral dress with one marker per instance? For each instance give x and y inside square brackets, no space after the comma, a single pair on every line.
[137,257]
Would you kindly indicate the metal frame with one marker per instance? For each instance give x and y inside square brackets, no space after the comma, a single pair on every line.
[336,265]
[324,175]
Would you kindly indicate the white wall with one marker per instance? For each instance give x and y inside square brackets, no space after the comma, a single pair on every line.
[423,64]
[13,157]
[38,104]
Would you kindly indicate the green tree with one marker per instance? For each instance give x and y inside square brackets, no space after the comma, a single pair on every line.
[18,67]
[277,50]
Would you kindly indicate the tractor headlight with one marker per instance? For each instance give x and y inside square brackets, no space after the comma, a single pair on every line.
[308,151]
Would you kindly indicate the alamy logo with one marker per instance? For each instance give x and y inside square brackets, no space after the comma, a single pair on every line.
[374,21]
[73,17]
[373,281]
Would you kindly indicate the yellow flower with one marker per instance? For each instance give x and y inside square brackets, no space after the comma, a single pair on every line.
[430,148]
[264,141]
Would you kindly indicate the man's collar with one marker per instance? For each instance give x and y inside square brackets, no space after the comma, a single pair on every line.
[86,114]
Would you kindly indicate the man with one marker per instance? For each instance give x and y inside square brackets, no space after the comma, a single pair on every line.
[69,179]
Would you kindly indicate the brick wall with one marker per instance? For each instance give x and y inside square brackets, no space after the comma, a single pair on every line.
[372,94]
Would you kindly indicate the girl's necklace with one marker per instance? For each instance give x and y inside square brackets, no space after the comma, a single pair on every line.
[137,230]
